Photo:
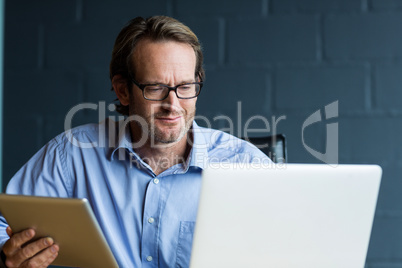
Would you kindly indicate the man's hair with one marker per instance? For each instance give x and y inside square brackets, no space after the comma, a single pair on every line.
[156,28]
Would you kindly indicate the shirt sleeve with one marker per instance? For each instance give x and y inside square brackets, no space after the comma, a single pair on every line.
[45,174]
[3,237]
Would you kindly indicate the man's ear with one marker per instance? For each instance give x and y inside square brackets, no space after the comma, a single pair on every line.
[120,87]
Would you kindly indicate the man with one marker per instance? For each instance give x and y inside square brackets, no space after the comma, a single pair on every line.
[142,180]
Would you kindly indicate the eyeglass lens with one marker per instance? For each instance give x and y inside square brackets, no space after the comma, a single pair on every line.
[160,92]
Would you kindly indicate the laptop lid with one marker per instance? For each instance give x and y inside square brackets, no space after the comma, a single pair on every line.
[285,216]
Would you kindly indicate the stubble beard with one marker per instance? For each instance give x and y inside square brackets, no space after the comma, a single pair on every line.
[158,136]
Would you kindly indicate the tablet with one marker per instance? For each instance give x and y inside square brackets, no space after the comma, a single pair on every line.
[70,222]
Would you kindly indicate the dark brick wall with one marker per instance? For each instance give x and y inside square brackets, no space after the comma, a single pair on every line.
[278,57]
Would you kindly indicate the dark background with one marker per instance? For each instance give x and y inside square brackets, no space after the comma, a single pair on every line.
[278,57]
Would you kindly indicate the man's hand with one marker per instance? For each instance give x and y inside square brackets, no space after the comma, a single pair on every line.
[20,251]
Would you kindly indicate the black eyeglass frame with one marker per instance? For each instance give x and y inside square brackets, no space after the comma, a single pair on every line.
[142,87]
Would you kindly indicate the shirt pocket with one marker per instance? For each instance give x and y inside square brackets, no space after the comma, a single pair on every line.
[184,244]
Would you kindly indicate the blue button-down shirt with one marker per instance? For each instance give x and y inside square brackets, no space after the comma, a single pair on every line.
[147,219]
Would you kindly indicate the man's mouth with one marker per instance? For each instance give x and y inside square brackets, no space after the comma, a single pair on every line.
[169,118]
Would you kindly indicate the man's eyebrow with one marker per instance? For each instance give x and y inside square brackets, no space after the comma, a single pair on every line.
[155,82]
[187,81]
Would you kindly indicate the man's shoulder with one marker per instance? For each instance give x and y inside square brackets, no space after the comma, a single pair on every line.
[90,131]
[221,143]
[216,137]
[86,136]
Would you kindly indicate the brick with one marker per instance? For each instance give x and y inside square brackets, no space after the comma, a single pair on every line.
[22,135]
[280,6]
[313,87]
[64,43]
[386,4]
[87,46]
[122,11]
[390,199]
[18,55]
[384,264]
[219,8]
[277,38]
[364,138]
[363,36]
[98,44]
[386,240]
[370,139]
[54,125]
[40,11]
[360,141]
[42,92]
[315,137]
[98,87]
[80,46]
[395,133]
[388,87]
[292,128]
[225,87]
[210,34]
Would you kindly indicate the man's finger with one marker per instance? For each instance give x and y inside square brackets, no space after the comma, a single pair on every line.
[44,258]
[34,248]
[54,251]
[31,251]
[16,241]
[9,231]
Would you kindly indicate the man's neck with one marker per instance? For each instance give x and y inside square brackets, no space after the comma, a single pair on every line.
[161,156]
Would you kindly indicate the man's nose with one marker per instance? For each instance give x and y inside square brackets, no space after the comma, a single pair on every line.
[171,98]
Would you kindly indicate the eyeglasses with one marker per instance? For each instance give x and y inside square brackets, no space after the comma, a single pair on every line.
[159,92]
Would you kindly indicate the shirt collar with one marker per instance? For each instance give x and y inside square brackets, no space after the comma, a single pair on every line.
[199,152]
[124,141]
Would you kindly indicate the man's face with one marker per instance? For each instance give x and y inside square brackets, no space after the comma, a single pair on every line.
[170,63]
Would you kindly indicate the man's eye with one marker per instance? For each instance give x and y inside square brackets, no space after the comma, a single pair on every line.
[154,88]
[187,87]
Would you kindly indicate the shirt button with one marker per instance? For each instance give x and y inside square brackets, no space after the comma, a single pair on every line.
[149,258]
[151,220]
[156,181]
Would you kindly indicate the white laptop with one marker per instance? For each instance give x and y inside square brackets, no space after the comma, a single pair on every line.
[313,216]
